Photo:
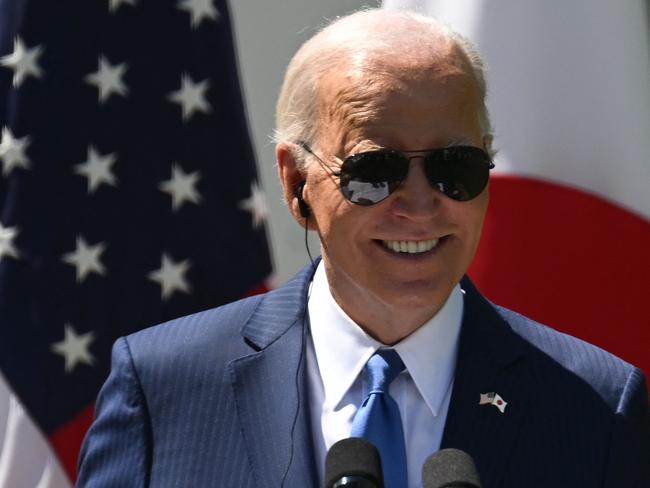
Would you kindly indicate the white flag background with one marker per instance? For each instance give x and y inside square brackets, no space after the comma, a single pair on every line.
[26,459]
[567,237]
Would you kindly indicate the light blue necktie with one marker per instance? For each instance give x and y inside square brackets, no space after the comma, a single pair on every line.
[378,419]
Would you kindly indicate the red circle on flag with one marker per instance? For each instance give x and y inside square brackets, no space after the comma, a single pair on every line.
[568,259]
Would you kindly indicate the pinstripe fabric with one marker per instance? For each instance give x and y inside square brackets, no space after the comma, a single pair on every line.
[576,415]
[218,399]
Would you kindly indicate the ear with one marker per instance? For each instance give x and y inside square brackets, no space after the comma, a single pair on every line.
[291,177]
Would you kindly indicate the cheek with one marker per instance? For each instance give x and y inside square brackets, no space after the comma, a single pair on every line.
[475,222]
[478,208]
[483,201]
[328,208]
[469,216]
[343,224]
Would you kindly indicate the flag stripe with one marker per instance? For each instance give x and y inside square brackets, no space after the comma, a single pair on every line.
[66,440]
[25,457]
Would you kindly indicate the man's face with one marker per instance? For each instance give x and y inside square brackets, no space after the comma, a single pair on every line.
[412,110]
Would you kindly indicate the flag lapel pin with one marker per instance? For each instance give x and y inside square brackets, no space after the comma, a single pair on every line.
[493,398]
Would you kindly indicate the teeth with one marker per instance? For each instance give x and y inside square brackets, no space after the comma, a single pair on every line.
[411,247]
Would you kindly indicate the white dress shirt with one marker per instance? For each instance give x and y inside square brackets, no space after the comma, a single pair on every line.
[337,353]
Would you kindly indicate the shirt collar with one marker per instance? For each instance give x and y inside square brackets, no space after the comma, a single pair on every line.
[342,348]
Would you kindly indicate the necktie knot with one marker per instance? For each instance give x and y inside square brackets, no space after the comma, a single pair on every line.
[382,368]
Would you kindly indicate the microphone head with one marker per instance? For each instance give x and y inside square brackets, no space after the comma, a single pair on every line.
[450,468]
[353,457]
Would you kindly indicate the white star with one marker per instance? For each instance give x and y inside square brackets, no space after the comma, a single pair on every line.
[7,236]
[199,10]
[191,97]
[97,169]
[108,79]
[113,5]
[171,277]
[256,205]
[74,348]
[23,61]
[12,151]
[86,259]
[182,187]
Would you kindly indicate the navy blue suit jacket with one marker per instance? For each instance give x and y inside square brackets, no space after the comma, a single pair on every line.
[220,399]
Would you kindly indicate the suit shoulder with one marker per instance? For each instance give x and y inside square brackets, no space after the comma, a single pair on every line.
[188,335]
[227,320]
[605,372]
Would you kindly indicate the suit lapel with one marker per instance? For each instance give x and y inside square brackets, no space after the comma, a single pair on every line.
[270,389]
[490,359]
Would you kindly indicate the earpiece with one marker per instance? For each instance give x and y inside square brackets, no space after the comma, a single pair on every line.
[305,211]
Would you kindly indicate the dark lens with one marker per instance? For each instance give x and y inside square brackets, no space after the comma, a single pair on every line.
[369,177]
[460,172]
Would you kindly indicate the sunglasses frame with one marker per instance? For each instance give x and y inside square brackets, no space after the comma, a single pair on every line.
[333,173]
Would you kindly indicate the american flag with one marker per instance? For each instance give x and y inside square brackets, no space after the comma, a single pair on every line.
[128,190]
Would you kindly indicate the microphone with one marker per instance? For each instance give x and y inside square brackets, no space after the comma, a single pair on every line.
[353,463]
[450,468]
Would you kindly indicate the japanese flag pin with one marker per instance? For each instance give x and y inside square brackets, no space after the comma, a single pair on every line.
[493,398]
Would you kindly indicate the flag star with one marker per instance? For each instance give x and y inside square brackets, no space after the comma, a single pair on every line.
[256,205]
[108,79]
[97,169]
[7,236]
[86,259]
[113,5]
[12,151]
[199,10]
[171,276]
[182,187]
[24,61]
[191,97]
[74,348]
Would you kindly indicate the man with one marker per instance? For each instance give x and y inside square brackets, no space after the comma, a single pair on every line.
[384,150]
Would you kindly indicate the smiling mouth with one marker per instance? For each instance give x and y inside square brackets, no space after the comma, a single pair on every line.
[411,247]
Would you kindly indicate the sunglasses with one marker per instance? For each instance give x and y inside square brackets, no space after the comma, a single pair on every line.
[366,178]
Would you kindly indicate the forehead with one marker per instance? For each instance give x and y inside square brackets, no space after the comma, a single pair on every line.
[399,102]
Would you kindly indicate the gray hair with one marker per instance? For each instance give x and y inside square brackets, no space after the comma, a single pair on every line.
[346,40]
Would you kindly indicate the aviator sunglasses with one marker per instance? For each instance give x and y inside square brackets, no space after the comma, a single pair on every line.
[366,178]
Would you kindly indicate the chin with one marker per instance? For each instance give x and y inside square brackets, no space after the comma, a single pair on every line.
[420,293]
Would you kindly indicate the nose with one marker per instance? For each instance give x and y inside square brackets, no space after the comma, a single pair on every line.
[415,199]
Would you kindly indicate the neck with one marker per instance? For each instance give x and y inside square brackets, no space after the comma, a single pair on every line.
[386,324]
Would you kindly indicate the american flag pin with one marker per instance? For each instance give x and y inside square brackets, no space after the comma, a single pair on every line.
[493,398]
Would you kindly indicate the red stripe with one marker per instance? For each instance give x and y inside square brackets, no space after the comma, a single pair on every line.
[66,441]
[257,290]
[568,259]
